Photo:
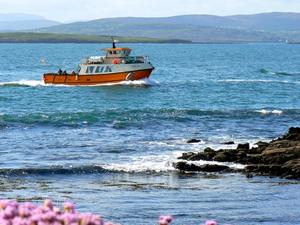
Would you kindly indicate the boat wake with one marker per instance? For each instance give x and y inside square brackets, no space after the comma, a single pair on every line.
[264,71]
[38,83]
[258,81]
[26,83]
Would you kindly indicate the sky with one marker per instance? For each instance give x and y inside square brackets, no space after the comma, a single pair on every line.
[81,10]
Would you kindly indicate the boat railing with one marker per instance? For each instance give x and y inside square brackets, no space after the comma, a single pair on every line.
[93,60]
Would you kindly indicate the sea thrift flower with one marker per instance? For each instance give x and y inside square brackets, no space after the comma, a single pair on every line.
[48,204]
[69,207]
[165,220]
[211,222]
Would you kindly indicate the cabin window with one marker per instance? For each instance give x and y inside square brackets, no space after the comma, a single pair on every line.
[108,69]
[99,69]
[90,69]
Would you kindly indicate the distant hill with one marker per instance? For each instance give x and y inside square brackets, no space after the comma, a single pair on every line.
[265,27]
[22,37]
[20,21]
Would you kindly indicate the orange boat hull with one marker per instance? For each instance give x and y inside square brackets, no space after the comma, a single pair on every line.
[94,79]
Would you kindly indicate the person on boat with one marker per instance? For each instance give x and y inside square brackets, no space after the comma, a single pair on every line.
[59,71]
[65,72]
[115,61]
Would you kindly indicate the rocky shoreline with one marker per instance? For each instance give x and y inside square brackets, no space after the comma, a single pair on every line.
[280,158]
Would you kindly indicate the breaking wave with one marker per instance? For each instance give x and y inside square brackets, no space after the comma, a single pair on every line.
[265,111]
[152,163]
[56,170]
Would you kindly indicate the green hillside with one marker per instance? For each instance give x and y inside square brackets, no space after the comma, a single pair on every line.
[265,27]
[24,37]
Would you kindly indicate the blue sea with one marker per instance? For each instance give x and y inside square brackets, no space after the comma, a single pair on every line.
[110,148]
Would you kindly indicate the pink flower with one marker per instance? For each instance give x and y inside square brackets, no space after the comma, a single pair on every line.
[211,222]
[48,204]
[69,207]
[165,220]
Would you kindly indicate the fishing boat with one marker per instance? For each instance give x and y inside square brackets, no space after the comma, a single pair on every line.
[115,66]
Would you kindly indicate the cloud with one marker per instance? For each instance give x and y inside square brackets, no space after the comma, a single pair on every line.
[65,10]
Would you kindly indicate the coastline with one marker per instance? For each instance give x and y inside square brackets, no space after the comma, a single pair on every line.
[278,158]
[31,37]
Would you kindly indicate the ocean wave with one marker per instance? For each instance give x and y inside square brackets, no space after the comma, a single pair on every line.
[115,118]
[144,164]
[265,111]
[258,81]
[230,165]
[265,71]
[37,83]
[55,170]
[153,163]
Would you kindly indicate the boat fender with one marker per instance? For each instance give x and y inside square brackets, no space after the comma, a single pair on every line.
[129,76]
[76,78]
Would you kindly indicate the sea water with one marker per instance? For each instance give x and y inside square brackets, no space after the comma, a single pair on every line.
[110,148]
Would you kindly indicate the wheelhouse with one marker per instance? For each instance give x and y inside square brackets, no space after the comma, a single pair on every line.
[117,52]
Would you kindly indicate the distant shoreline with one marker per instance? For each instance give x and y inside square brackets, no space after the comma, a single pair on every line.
[29,37]
[57,38]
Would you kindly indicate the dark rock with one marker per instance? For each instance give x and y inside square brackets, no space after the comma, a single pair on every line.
[229,155]
[292,169]
[249,175]
[210,153]
[223,157]
[184,166]
[261,146]
[280,157]
[187,155]
[254,159]
[190,141]
[228,143]
[245,146]
[207,155]
[293,134]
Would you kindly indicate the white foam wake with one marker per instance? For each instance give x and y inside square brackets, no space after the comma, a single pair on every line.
[36,83]
[29,83]
[265,111]
[140,83]
[258,81]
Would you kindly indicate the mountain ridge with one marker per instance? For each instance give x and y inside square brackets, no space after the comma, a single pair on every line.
[23,21]
[262,27]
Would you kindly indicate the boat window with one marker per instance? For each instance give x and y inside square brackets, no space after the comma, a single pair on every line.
[108,69]
[90,69]
[99,69]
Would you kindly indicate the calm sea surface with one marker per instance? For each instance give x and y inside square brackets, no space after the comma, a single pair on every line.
[110,148]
